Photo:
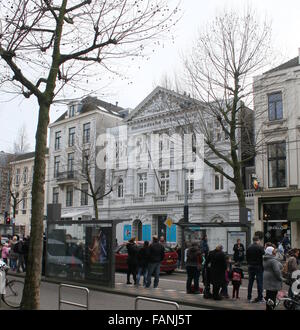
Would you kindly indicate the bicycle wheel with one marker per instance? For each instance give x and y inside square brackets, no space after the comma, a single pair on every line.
[14,292]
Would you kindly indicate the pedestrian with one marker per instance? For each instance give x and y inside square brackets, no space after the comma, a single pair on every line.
[5,253]
[286,243]
[224,291]
[239,252]
[236,276]
[132,260]
[143,261]
[254,256]
[204,248]
[13,254]
[26,251]
[206,275]
[20,260]
[178,251]
[193,268]
[217,270]
[272,276]
[289,267]
[162,240]
[156,256]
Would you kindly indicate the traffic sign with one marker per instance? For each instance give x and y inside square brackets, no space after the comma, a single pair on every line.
[169,222]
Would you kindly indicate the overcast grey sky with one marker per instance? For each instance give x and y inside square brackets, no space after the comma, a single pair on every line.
[143,75]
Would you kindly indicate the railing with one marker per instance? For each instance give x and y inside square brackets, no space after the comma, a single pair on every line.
[181,197]
[68,175]
[160,199]
[166,302]
[249,193]
[138,200]
[66,302]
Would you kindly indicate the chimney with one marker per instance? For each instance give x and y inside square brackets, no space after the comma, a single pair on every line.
[118,102]
[298,55]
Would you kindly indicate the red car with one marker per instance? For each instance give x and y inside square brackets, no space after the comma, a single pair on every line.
[168,265]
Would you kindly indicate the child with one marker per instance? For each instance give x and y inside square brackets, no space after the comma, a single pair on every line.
[236,278]
[5,253]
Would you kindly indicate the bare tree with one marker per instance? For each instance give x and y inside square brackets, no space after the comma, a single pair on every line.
[21,144]
[98,185]
[219,72]
[45,45]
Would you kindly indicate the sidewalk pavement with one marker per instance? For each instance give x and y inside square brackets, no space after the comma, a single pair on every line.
[174,295]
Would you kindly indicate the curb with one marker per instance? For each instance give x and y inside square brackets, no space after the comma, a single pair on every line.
[206,303]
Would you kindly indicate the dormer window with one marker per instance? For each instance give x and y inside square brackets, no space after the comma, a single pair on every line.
[72,111]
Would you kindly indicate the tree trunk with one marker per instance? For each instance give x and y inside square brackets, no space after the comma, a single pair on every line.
[31,293]
[96,209]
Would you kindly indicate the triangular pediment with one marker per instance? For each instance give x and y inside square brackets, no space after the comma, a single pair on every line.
[159,101]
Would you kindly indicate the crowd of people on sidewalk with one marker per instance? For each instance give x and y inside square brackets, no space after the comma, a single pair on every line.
[14,252]
[269,265]
[266,264]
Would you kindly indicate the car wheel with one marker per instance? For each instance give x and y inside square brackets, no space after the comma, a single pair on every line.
[169,272]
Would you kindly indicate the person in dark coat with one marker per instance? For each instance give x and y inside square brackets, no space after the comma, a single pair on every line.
[193,268]
[239,252]
[143,260]
[132,260]
[217,259]
[156,256]
[254,256]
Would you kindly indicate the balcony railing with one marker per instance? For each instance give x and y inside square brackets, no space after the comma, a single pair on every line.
[249,193]
[160,199]
[181,197]
[138,200]
[66,176]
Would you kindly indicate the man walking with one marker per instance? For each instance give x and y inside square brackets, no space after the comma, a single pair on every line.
[156,256]
[254,256]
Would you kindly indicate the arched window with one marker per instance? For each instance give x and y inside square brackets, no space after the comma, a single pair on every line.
[120,188]
[219,180]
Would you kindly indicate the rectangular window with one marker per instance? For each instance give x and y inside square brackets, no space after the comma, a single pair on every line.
[24,201]
[18,173]
[120,188]
[69,199]
[71,165]
[277,164]
[164,183]
[71,136]
[275,106]
[55,195]
[56,166]
[142,184]
[25,175]
[190,181]
[72,111]
[57,140]
[86,132]
[85,162]
[84,194]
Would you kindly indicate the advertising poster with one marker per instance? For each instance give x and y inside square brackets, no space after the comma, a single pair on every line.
[127,232]
[232,237]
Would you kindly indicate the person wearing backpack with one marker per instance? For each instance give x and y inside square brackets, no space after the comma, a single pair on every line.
[193,268]
[236,276]
[143,260]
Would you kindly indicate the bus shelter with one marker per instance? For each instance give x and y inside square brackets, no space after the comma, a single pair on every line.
[81,251]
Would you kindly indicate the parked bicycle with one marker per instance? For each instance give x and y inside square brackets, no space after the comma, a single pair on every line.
[11,290]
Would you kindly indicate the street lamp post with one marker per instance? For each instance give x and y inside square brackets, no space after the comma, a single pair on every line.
[185,218]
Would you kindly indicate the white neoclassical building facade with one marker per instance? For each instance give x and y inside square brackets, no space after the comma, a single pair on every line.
[153,189]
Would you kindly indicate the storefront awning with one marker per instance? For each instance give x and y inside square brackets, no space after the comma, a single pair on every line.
[294,209]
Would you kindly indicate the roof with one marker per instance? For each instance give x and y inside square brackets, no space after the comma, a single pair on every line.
[287,65]
[27,155]
[90,103]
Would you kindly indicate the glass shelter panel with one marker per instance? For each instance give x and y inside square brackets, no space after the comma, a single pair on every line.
[81,252]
